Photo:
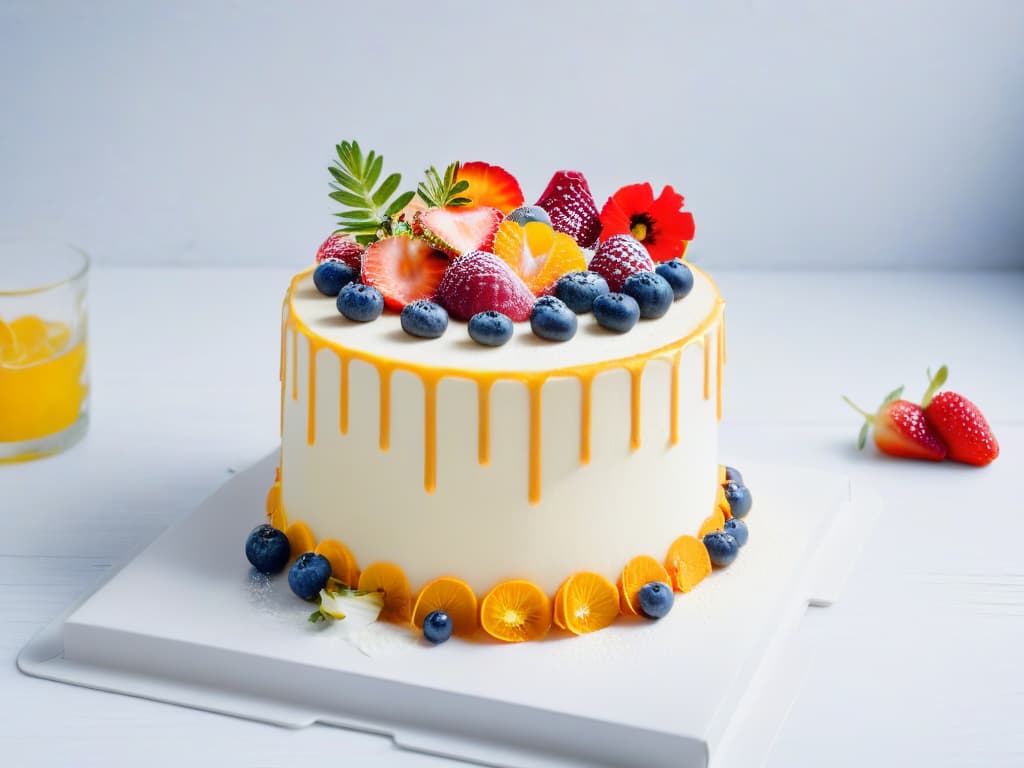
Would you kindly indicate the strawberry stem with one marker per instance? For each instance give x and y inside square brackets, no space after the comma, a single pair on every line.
[869,416]
[934,384]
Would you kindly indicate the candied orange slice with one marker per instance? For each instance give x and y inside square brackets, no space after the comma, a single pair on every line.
[639,571]
[713,522]
[344,567]
[687,563]
[389,579]
[722,504]
[275,508]
[300,538]
[515,611]
[558,612]
[453,596]
[537,253]
[591,602]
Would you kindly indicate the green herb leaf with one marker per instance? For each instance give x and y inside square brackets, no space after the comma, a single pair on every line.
[863,437]
[439,190]
[399,203]
[354,184]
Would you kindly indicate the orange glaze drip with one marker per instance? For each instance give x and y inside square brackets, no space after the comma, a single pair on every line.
[343,401]
[311,414]
[483,418]
[586,391]
[725,348]
[673,435]
[431,376]
[429,434]
[720,357]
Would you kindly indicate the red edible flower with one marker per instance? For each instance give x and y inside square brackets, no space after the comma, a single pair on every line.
[661,225]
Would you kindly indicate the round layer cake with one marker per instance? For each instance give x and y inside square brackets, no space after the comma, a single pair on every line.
[534,460]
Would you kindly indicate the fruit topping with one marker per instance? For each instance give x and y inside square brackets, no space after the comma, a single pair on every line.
[459,230]
[660,224]
[425,319]
[301,538]
[275,507]
[678,275]
[591,602]
[713,522]
[579,289]
[453,597]
[360,303]
[959,423]
[739,498]
[308,575]
[339,247]
[652,292]
[344,567]
[437,627]
[551,319]
[687,563]
[901,429]
[524,214]
[369,206]
[515,611]
[537,253]
[619,257]
[655,599]
[389,579]
[267,549]
[616,312]
[331,276]
[403,269]
[722,547]
[490,185]
[738,529]
[571,207]
[443,191]
[490,328]
[480,281]
[638,571]
[733,474]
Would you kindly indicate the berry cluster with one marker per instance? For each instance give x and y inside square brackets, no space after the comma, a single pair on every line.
[465,246]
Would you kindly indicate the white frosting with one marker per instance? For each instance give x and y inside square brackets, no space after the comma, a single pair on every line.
[479,524]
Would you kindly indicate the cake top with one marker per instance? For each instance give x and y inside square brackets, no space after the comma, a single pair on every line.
[463,245]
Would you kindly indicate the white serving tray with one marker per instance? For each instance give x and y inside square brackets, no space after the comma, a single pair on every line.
[187,622]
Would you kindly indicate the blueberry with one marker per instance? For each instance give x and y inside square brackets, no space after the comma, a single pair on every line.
[267,549]
[524,214]
[309,575]
[579,289]
[733,475]
[425,319]
[656,599]
[678,276]
[490,328]
[361,303]
[551,319]
[738,529]
[437,627]
[332,275]
[722,547]
[616,312]
[739,498]
[651,291]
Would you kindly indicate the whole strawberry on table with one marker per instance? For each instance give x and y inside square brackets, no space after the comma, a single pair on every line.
[945,425]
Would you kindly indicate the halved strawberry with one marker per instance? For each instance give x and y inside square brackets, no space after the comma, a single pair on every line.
[959,423]
[403,269]
[459,230]
[901,429]
[490,185]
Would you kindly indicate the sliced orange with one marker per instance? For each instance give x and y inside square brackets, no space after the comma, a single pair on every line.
[537,253]
[713,522]
[389,579]
[687,563]
[639,571]
[722,504]
[275,508]
[10,349]
[722,479]
[490,185]
[300,538]
[591,602]
[625,607]
[515,611]
[559,606]
[344,567]
[453,596]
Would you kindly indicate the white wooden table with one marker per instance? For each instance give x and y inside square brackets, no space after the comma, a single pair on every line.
[918,664]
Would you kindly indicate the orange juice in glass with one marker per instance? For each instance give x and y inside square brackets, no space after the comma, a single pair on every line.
[44,384]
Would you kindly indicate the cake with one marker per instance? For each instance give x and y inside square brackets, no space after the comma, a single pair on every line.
[498,416]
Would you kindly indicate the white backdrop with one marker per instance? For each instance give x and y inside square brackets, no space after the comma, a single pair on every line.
[832,134]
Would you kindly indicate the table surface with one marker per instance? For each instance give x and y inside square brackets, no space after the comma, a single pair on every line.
[918,664]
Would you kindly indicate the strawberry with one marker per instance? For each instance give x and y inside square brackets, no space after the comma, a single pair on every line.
[618,257]
[342,248]
[403,269]
[459,230]
[959,423]
[480,281]
[901,429]
[571,207]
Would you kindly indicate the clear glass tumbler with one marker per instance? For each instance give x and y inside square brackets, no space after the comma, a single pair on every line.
[44,380]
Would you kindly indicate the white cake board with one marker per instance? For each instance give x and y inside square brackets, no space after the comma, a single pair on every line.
[187,622]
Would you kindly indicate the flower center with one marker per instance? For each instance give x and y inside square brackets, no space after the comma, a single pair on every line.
[640,226]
